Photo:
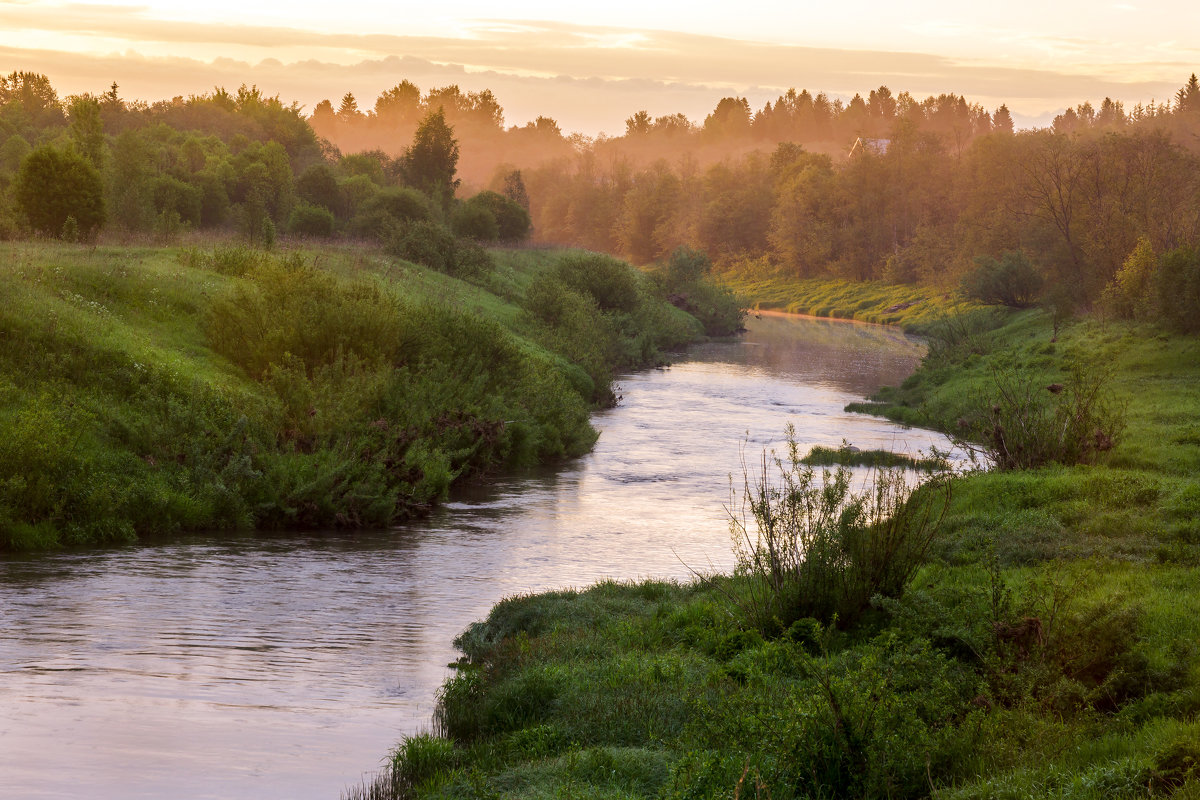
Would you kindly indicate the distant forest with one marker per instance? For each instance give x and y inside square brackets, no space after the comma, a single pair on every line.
[886,186]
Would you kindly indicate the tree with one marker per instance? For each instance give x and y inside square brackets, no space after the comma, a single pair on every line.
[514,189]
[639,124]
[348,110]
[317,186]
[54,185]
[400,104]
[87,131]
[1002,120]
[431,161]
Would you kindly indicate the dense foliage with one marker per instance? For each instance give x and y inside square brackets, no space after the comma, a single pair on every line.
[149,391]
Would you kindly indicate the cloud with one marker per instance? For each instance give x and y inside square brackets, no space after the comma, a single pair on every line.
[588,77]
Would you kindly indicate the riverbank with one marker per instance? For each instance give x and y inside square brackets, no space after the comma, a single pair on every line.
[151,390]
[905,305]
[1049,646]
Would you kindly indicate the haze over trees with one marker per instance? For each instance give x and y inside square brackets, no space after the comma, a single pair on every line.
[884,186]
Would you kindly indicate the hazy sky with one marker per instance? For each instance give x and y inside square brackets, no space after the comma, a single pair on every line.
[590,66]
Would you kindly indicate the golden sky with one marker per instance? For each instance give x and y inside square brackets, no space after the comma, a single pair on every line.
[592,67]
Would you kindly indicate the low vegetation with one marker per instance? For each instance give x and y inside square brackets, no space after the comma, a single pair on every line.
[147,391]
[1041,641]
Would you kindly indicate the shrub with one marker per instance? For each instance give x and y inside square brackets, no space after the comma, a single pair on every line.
[613,284]
[399,203]
[473,221]
[1129,294]
[512,219]
[816,549]
[310,220]
[53,185]
[1024,423]
[317,186]
[285,306]
[686,284]
[424,243]
[1177,285]
[1010,281]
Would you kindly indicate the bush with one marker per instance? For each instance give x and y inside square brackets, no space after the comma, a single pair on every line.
[286,307]
[434,246]
[399,203]
[686,284]
[1177,285]
[1025,423]
[613,284]
[53,185]
[473,221]
[1011,281]
[317,186]
[310,220]
[424,243]
[512,219]
[1129,294]
[818,550]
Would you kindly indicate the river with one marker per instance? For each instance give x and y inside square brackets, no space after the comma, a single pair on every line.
[286,666]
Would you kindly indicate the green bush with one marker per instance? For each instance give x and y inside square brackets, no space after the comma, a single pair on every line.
[473,221]
[285,306]
[310,220]
[426,243]
[398,203]
[1177,285]
[612,283]
[816,549]
[318,187]
[1023,422]
[685,283]
[1010,281]
[1129,293]
[512,219]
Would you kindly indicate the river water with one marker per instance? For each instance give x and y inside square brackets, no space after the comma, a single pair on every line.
[286,666]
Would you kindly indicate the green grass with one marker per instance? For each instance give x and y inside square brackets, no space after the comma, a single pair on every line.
[149,390]
[874,301]
[1049,648]
[852,457]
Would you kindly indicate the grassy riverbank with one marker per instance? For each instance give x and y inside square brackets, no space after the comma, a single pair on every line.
[1048,648]
[148,390]
[906,305]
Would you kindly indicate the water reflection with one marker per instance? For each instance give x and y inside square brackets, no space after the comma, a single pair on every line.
[273,666]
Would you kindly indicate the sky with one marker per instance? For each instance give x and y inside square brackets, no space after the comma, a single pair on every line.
[590,66]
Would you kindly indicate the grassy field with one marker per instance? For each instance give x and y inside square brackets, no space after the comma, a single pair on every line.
[149,390]
[905,305]
[1047,647]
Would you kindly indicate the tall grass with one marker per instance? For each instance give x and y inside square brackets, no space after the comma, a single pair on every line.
[812,547]
[151,390]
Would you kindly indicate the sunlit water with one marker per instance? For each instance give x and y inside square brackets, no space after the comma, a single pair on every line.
[287,666]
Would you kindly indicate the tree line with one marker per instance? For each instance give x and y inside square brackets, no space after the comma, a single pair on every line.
[881,187]
[239,162]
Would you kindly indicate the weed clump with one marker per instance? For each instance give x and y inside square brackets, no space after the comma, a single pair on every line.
[1026,423]
[813,548]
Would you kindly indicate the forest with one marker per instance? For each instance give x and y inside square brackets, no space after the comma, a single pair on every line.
[886,187]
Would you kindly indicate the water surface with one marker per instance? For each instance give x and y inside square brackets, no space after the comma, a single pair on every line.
[262,666]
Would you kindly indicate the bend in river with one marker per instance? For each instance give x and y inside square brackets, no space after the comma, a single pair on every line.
[281,666]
